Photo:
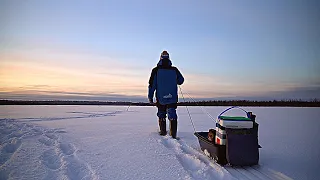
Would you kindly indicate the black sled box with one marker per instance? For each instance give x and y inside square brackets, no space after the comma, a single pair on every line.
[216,151]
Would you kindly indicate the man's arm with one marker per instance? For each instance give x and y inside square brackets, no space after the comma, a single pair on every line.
[180,78]
[152,84]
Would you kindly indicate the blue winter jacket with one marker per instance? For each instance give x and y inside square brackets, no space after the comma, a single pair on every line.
[164,80]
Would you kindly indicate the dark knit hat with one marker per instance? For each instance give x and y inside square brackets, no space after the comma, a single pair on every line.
[164,55]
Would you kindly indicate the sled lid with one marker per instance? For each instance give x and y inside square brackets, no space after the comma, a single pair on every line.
[235,122]
[234,118]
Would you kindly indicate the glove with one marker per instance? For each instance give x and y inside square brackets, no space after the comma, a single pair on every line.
[151,101]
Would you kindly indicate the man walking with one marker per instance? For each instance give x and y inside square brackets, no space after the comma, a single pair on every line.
[164,80]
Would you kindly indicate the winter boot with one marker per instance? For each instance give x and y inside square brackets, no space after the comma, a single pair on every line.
[162,126]
[173,128]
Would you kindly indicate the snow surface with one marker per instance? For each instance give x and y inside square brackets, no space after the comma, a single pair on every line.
[117,142]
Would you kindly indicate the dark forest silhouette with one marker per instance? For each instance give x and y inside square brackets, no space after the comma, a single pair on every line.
[281,103]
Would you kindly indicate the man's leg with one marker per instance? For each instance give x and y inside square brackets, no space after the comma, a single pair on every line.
[173,118]
[162,114]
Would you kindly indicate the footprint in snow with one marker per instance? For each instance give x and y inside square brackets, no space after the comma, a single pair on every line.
[51,136]
[46,141]
[75,169]
[169,142]
[5,131]
[17,134]
[67,149]
[8,149]
[51,159]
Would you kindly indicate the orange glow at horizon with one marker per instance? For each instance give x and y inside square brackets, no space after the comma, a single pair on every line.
[35,77]
[28,73]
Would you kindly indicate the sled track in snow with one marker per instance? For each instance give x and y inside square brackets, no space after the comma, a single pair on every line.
[200,166]
[197,165]
[256,173]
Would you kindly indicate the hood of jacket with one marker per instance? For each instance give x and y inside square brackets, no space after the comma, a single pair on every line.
[164,62]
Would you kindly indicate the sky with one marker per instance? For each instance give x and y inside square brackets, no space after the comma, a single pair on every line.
[105,50]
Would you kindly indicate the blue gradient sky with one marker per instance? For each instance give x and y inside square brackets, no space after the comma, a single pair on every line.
[106,49]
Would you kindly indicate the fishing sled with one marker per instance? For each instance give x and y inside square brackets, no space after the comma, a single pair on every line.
[235,140]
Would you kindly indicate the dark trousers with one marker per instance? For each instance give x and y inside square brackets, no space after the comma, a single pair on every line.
[169,109]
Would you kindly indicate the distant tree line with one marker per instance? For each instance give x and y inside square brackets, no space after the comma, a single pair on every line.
[61,102]
[281,103]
